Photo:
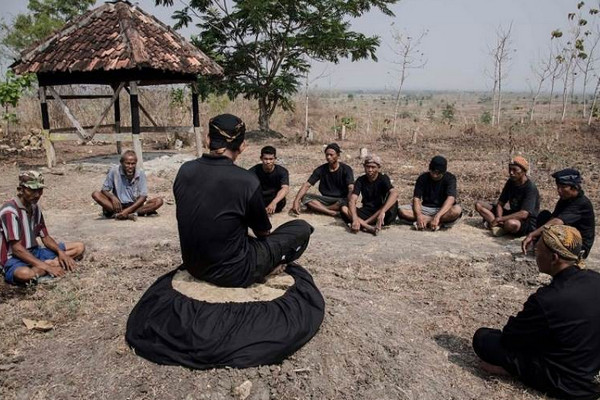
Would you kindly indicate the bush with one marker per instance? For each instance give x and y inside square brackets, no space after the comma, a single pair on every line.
[448,113]
[486,118]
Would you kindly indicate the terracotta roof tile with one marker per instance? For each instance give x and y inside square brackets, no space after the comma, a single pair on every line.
[115,36]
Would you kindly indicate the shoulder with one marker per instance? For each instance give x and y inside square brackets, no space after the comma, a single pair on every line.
[346,167]
[449,176]
[10,207]
[321,168]
[281,169]
[254,168]
[423,177]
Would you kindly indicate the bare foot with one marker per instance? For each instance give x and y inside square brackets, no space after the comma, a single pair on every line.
[278,270]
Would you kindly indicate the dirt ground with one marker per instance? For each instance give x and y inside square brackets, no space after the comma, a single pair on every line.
[401,308]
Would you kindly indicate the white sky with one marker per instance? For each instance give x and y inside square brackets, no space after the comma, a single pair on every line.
[456,47]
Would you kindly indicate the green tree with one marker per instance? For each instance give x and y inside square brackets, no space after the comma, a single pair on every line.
[265,46]
[43,17]
[11,91]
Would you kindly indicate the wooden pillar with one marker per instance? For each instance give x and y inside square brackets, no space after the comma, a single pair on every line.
[118,124]
[48,145]
[135,123]
[196,121]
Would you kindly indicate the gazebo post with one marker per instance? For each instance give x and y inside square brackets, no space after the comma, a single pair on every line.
[135,123]
[196,120]
[118,123]
[48,145]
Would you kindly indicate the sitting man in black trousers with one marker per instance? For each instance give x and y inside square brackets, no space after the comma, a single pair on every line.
[573,209]
[217,202]
[274,180]
[553,344]
[379,200]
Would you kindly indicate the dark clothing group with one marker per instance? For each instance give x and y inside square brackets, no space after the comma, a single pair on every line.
[553,344]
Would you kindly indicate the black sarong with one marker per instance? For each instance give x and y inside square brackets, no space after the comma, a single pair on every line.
[170,328]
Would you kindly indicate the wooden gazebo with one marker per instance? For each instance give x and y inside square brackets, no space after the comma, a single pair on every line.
[119,45]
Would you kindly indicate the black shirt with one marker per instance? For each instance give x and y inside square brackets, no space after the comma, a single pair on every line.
[271,182]
[216,203]
[560,325]
[578,213]
[373,193]
[434,193]
[521,197]
[333,184]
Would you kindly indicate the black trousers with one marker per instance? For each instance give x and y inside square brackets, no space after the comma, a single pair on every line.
[530,369]
[283,246]
[365,213]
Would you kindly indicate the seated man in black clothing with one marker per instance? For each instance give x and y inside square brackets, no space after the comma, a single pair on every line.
[573,209]
[336,184]
[434,198]
[379,199]
[217,202]
[553,344]
[523,199]
[274,180]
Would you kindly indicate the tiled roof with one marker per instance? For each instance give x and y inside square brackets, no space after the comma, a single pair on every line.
[115,36]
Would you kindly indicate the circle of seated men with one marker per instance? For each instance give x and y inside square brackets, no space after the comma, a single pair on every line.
[551,345]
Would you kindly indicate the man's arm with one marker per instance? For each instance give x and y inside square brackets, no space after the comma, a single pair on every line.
[350,190]
[20,252]
[446,206]
[285,189]
[538,232]
[528,330]
[416,206]
[132,208]
[355,227]
[499,212]
[303,190]
[520,215]
[380,214]
[64,259]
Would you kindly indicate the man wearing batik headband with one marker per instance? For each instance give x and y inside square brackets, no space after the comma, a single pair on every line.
[573,209]
[21,223]
[217,202]
[553,344]
[523,200]
[379,199]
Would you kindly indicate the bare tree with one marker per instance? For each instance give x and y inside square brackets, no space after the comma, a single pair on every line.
[502,55]
[586,66]
[324,74]
[542,71]
[410,56]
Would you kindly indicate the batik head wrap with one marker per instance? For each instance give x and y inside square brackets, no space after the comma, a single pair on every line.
[565,241]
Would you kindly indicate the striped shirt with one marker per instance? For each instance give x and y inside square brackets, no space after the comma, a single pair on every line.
[17,225]
[127,191]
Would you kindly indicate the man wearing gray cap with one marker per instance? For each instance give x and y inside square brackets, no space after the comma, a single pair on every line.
[379,199]
[573,208]
[21,223]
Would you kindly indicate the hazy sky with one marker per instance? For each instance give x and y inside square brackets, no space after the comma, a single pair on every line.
[456,47]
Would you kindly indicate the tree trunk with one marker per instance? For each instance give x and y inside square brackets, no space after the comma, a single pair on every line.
[263,115]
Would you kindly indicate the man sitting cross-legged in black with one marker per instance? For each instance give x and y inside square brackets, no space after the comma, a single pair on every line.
[552,344]
[379,199]
[274,180]
[217,202]
[434,198]
[336,182]
[573,209]
[523,199]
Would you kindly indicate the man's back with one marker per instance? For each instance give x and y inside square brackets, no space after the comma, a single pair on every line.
[216,203]
[560,324]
